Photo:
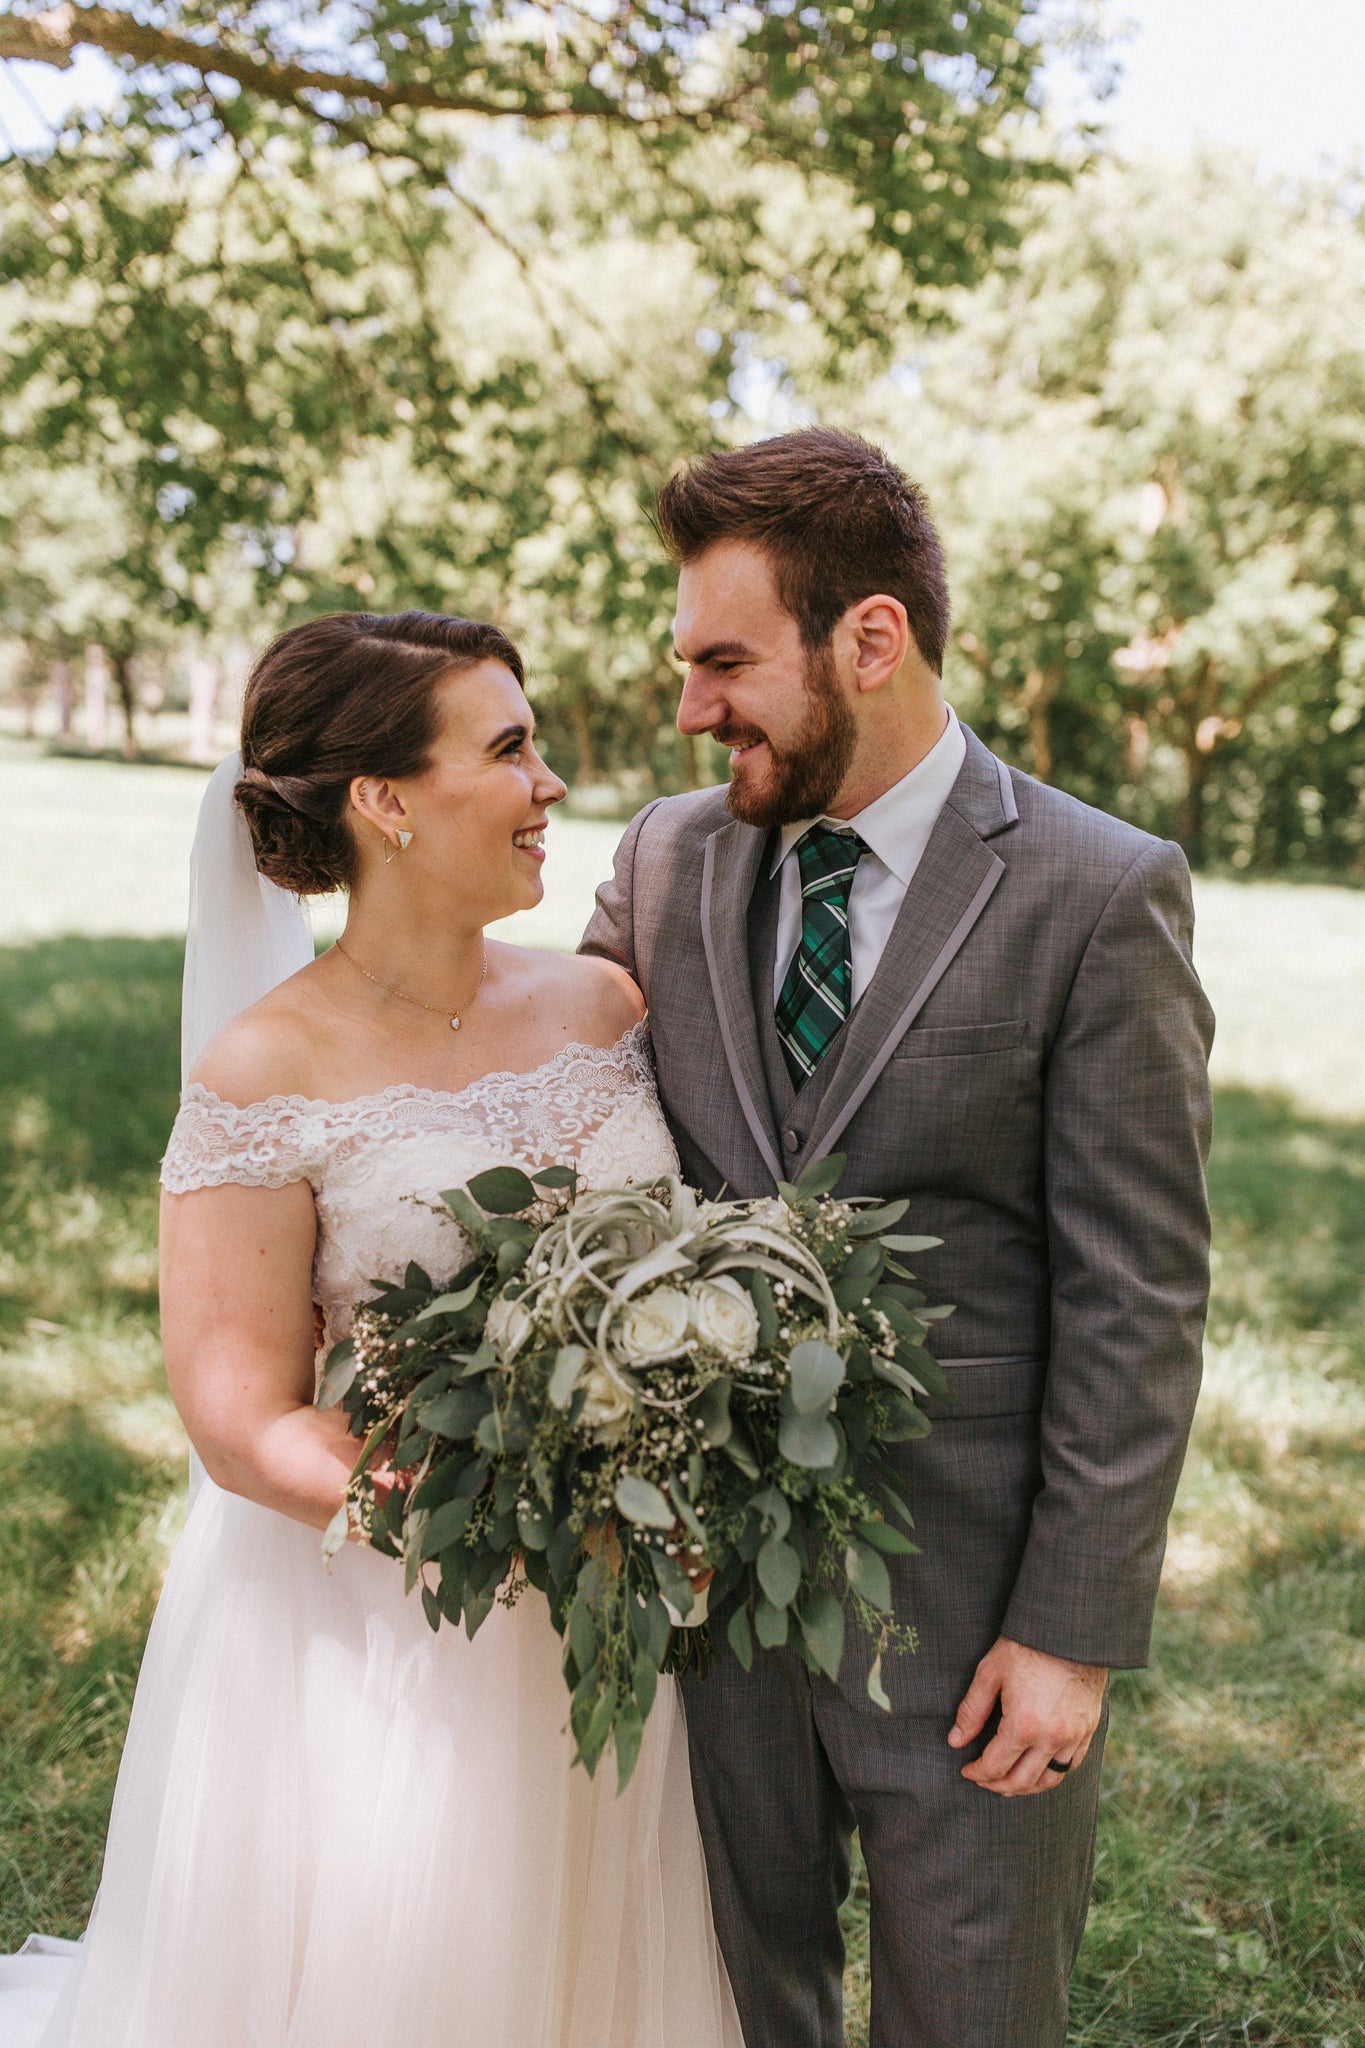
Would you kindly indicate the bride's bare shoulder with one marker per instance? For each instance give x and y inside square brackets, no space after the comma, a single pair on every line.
[269,1049]
[587,1000]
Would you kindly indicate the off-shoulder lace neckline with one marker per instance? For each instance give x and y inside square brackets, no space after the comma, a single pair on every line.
[408,1091]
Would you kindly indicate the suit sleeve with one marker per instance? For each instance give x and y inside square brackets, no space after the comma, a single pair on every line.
[1127,1120]
[611,929]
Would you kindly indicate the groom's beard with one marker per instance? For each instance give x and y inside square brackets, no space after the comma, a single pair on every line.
[803,780]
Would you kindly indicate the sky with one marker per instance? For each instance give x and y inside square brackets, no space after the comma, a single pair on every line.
[1285,78]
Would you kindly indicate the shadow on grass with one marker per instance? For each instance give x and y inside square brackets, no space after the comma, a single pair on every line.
[89,1053]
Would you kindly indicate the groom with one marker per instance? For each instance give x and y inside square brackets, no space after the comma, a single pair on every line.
[884,942]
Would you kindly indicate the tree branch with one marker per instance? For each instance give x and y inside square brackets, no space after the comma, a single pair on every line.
[53,38]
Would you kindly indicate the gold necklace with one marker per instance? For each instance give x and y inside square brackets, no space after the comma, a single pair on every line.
[436,1009]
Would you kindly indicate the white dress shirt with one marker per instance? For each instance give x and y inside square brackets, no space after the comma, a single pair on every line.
[895,830]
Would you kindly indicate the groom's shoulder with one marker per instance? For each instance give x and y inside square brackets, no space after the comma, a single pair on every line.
[677,822]
[1080,840]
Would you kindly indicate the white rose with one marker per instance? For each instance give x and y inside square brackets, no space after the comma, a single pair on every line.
[607,1407]
[723,1315]
[508,1326]
[654,1327]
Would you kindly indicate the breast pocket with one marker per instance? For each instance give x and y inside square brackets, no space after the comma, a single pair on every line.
[959,1041]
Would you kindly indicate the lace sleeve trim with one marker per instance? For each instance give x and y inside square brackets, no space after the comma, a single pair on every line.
[290,1137]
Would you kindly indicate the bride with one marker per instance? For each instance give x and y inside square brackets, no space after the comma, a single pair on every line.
[332,1828]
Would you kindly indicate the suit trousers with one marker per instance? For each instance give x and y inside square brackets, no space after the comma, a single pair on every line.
[978,1902]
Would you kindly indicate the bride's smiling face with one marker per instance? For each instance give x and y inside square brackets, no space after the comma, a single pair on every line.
[476,812]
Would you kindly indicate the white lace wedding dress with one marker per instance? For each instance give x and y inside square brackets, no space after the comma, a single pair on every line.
[334,1829]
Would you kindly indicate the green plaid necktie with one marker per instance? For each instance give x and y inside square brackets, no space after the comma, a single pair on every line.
[817,994]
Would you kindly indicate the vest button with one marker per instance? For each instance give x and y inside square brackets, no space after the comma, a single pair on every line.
[792,1140]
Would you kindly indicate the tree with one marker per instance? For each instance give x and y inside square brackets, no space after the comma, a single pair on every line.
[1145,442]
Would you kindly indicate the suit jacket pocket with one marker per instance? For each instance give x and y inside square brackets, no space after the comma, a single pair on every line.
[957,1041]
[990,1386]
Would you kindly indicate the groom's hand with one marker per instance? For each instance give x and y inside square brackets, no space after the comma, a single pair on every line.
[1049,1708]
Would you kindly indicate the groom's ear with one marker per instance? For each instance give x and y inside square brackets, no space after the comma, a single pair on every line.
[880,631]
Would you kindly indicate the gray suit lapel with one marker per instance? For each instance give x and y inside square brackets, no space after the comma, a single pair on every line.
[951,887]
[729,871]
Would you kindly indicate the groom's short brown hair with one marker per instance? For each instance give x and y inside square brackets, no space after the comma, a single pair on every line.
[836,518]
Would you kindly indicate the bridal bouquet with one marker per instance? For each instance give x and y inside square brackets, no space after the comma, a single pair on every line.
[645,1404]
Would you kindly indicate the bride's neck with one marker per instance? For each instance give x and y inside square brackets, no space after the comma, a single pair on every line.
[435,958]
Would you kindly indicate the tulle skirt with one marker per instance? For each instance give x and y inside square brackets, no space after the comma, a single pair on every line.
[335,1829]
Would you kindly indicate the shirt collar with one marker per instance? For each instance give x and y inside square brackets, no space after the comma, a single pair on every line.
[897,824]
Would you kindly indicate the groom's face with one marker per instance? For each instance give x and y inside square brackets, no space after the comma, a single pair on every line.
[754,685]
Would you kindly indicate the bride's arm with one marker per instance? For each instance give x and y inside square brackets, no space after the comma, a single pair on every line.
[237,1328]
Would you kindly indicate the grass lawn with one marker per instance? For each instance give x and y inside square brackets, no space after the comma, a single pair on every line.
[1230,1897]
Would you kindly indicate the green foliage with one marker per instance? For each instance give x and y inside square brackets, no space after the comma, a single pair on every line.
[1144,442]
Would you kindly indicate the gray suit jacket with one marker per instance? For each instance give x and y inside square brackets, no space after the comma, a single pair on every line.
[1029,1067]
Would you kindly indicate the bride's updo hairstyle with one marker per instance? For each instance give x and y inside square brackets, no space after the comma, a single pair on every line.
[350,694]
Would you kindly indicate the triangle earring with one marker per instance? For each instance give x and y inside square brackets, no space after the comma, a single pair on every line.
[404,841]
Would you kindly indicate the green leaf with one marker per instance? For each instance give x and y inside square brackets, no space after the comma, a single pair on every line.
[416,1277]
[641,1501]
[511,1258]
[644,1683]
[560,1550]
[765,1305]
[779,1571]
[478,1605]
[773,1508]
[582,1635]
[466,1212]
[822,1624]
[535,1527]
[342,1366]
[626,1741]
[337,1531]
[821,1175]
[864,1259]
[911,1244]
[502,1191]
[816,1374]
[569,1362]
[872,1222]
[807,1440]
[457,1413]
[712,1410]
[674,1583]
[650,1626]
[556,1177]
[740,1451]
[431,1607]
[740,1637]
[867,1574]
[449,1304]
[447,1526]
[883,1537]
[922,1366]
[876,1691]
[770,1625]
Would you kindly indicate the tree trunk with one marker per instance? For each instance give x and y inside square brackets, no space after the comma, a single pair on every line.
[127,697]
[66,697]
[96,698]
[1040,687]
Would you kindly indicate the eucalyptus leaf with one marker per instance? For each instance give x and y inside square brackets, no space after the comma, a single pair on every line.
[821,1617]
[449,1304]
[502,1190]
[740,1637]
[556,1177]
[816,1373]
[760,1287]
[770,1625]
[873,1222]
[342,1366]
[822,1175]
[867,1574]
[431,1607]
[446,1526]
[569,1362]
[466,1212]
[807,1440]
[883,1537]
[641,1501]
[779,1571]
[876,1691]
[534,1527]
[911,1244]
[712,1410]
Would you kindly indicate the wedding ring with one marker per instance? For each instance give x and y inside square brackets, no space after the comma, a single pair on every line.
[1058,1765]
